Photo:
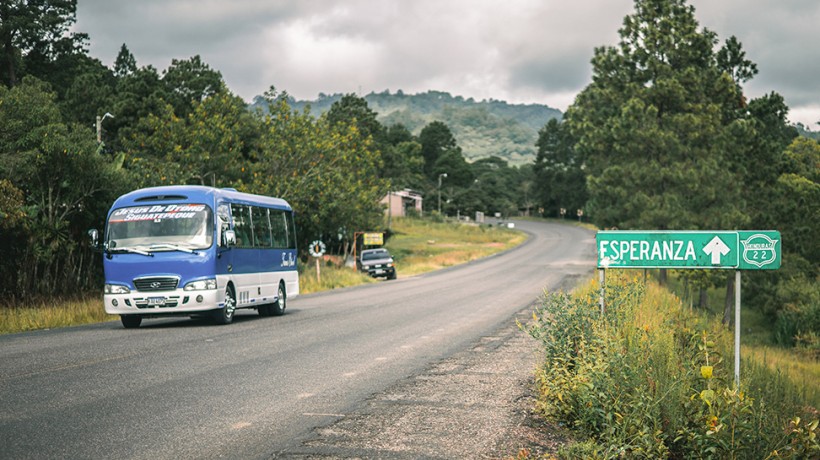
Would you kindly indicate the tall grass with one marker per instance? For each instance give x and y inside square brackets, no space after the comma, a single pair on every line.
[330,277]
[52,313]
[758,341]
[650,379]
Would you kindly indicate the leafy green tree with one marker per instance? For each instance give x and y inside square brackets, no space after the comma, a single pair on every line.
[402,165]
[731,59]
[188,81]
[452,163]
[65,185]
[651,125]
[495,188]
[436,139]
[352,109]
[125,64]
[668,139]
[560,178]
[12,212]
[526,181]
[89,93]
[205,147]
[398,133]
[658,126]
[791,295]
[328,172]
[402,162]
[31,26]
[136,96]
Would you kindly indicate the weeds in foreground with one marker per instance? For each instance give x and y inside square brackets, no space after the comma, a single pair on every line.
[52,313]
[330,277]
[651,380]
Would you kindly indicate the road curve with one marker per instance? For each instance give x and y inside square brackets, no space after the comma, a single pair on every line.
[177,388]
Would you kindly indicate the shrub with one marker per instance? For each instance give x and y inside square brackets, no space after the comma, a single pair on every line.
[647,379]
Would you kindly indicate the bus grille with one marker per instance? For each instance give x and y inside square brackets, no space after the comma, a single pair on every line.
[156,284]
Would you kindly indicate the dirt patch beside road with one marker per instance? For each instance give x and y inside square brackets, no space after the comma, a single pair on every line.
[476,404]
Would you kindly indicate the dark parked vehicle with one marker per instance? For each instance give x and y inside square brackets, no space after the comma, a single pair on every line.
[377,262]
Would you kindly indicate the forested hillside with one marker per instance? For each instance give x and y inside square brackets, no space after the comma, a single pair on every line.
[482,128]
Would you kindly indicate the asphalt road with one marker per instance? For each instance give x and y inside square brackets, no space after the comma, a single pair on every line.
[177,388]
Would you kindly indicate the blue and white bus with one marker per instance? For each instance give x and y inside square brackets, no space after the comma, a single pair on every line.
[193,250]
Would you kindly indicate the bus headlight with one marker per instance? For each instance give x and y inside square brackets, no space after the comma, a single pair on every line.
[116,289]
[200,285]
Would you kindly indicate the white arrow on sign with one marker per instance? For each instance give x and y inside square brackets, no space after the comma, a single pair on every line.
[716,248]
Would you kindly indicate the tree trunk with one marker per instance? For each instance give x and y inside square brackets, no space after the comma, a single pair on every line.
[662,277]
[11,73]
[703,301]
[728,307]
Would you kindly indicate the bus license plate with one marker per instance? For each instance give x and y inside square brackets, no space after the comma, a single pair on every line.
[156,301]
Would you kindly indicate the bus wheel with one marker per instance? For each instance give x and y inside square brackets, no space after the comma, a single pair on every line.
[131,321]
[278,308]
[225,315]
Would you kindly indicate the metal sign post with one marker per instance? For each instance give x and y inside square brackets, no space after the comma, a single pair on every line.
[737,328]
[714,249]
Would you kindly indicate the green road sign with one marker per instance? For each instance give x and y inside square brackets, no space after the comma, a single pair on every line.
[743,250]
[759,250]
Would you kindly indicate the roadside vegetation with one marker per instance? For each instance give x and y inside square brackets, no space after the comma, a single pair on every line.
[52,313]
[418,246]
[652,378]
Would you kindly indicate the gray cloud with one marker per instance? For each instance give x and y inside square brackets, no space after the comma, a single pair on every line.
[520,51]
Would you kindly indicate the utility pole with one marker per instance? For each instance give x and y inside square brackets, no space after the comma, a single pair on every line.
[439,190]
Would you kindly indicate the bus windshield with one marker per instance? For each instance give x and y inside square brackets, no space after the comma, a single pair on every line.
[166,227]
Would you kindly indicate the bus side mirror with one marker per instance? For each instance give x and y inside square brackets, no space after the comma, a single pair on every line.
[94,238]
[229,238]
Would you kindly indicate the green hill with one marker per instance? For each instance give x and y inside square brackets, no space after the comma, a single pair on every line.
[482,128]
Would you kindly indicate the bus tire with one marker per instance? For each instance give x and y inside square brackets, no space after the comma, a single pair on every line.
[278,308]
[131,321]
[225,314]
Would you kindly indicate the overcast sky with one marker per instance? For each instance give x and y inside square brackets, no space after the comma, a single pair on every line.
[519,51]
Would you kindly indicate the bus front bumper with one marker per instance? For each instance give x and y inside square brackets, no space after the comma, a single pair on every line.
[177,302]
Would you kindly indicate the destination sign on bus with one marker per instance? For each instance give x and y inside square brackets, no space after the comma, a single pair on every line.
[169,211]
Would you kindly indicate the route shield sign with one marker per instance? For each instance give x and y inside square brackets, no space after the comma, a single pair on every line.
[744,250]
[759,250]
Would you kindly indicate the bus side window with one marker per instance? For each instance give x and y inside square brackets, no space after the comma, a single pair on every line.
[242,226]
[279,227]
[291,229]
[261,227]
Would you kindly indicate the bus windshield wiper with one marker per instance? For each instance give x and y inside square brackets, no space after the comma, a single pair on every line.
[175,247]
[131,251]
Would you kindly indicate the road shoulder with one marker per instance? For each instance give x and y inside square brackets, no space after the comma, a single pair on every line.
[477,403]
